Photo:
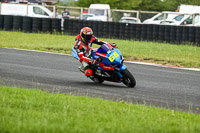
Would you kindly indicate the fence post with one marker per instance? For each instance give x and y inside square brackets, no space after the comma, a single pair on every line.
[0,8]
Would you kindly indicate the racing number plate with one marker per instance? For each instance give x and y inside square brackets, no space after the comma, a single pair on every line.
[113,56]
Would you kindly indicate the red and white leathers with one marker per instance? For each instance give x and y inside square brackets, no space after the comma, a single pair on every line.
[83,44]
[83,49]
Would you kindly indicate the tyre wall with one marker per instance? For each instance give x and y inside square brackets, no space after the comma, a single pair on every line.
[27,24]
[144,32]
[17,23]
[8,23]
[1,22]
[36,24]
[46,25]
[56,25]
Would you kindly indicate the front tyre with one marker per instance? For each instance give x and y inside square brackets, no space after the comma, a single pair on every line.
[128,78]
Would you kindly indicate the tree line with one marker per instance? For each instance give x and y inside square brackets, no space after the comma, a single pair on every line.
[145,5]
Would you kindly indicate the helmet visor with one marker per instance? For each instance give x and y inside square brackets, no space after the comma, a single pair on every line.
[87,37]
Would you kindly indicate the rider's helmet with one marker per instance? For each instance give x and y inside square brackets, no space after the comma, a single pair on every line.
[86,34]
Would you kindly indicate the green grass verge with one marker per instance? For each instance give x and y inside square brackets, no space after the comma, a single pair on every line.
[179,55]
[36,111]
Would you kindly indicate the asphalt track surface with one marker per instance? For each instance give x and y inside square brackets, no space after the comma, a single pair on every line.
[157,86]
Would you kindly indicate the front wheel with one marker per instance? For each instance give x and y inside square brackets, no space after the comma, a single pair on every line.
[128,78]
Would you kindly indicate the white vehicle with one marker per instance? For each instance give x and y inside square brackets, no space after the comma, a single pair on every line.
[190,16]
[129,20]
[189,9]
[102,12]
[25,10]
[187,15]
[86,16]
[96,18]
[158,18]
[188,19]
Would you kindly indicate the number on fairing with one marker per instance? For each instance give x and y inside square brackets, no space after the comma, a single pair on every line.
[113,56]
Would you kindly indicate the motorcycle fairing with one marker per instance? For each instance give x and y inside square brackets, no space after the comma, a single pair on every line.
[74,54]
[111,57]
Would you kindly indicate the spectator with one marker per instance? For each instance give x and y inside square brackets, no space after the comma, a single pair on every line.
[65,14]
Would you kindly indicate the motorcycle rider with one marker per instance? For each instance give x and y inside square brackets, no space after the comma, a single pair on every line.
[83,43]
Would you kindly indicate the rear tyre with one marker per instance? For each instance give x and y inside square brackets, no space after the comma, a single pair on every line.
[128,79]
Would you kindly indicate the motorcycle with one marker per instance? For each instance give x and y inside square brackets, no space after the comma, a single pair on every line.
[110,66]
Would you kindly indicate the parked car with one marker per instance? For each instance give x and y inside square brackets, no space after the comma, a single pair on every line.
[158,18]
[95,18]
[129,20]
[85,16]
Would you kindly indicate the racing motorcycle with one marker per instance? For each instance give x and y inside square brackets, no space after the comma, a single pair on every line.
[110,66]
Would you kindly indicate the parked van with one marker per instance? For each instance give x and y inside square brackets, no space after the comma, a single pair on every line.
[158,18]
[187,19]
[102,12]
[188,15]
[25,10]
[189,8]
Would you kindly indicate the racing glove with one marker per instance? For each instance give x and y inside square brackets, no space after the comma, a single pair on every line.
[92,61]
[113,45]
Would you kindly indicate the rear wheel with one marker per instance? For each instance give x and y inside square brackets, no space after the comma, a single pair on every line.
[128,79]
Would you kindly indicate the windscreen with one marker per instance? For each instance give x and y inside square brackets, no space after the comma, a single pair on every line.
[104,48]
[179,17]
[39,11]
[97,12]
[128,21]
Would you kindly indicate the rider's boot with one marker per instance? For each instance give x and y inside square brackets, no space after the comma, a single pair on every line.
[81,68]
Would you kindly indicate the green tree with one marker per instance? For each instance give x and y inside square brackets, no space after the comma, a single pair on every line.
[153,5]
[115,4]
[194,2]
[148,5]
[169,5]
[67,3]
[84,3]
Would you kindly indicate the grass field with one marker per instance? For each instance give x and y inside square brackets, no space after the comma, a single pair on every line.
[179,55]
[36,111]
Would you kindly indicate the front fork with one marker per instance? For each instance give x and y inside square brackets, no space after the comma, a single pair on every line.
[119,69]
